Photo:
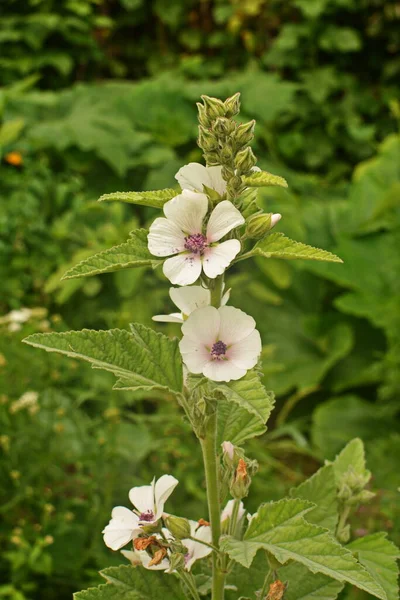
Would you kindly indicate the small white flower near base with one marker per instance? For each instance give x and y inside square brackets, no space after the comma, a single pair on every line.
[227,512]
[194,176]
[149,500]
[192,246]
[197,550]
[188,299]
[222,343]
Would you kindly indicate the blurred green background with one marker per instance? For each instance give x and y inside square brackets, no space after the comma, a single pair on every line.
[98,96]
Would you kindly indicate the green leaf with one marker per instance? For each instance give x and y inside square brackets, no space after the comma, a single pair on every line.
[134,583]
[156,198]
[10,130]
[277,245]
[250,394]
[303,585]
[321,490]
[279,527]
[352,456]
[143,359]
[263,179]
[236,424]
[133,253]
[379,556]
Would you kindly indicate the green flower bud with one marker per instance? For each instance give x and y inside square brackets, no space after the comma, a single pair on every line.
[344,534]
[226,153]
[241,481]
[203,119]
[212,158]
[177,562]
[178,526]
[207,139]
[245,133]
[223,126]
[258,225]
[214,107]
[245,160]
[232,105]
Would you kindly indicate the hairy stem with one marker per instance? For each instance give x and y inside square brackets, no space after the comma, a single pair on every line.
[265,587]
[209,449]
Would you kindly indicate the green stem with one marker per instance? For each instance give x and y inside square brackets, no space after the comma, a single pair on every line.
[216,291]
[187,578]
[204,543]
[344,515]
[209,449]
[265,587]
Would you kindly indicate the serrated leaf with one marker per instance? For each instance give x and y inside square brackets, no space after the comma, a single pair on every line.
[352,456]
[250,394]
[379,556]
[235,424]
[144,358]
[156,198]
[134,583]
[277,245]
[304,585]
[321,490]
[263,179]
[280,528]
[133,253]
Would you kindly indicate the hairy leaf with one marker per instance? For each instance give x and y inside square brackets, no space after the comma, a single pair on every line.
[321,490]
[277,245]
[250,394]
[379,556]
[133,253]
[304,585]
[143,358]
[134,583]
[352,456]
[156,198]
[264,179]
[236,424]
[280,528]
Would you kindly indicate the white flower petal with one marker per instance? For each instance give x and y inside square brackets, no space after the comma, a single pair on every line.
[146,558]
[192,177]
[275,218]
[245,353]
[223,370]
[196,550]
[142,498]
[203,325]
[227,512]
[194,355]
[187,211]
[217,182]
[163,489]
[217,258]
[172,318]
[189,298]
[133,556]
[183,269]
[223,218]
[165,238]
[235,325]
[122,528]
[225,297]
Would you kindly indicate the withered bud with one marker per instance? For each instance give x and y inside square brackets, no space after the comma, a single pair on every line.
[241,482]
[143,543]
[276,590]
[159,555]
[203,522]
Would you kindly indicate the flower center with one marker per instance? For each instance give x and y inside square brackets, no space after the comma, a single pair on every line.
[218,350]
[196,243]
[147,516]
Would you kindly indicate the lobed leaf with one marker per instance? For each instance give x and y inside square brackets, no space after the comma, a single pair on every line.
[134,583]
[379,556]
[280,528]
[133,253]
[144,358]
[277,245]
[351,457]
[156,198]
[263,179]
[304,585]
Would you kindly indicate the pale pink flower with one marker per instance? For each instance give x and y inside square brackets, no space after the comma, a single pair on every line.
[194,243]
[222,343]
[188,298]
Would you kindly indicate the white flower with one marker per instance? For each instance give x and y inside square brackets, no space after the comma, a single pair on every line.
[181,234]
[229,449]
[149,501]
[188,298]
[227,512]
[194,176]
[141,557]
[220,343]
[196,550]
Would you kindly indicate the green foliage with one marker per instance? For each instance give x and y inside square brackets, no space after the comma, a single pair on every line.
[156,199]
[263,179]
[276,245]
[141,359]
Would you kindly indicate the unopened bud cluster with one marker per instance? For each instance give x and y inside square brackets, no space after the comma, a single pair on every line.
[238,470]
[225,142]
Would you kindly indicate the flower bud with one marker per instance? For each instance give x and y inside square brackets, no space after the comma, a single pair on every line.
[344,534]
[223,126]
[214,107]
[226,153]
[245,160]
[178,526]
[212,158]
[177,562]
[258,225]
[241,482]
[232,105]
[244,133]
[207,139]
[203,119]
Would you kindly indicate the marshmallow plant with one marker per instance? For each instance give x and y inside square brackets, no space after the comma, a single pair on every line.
[299,547]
